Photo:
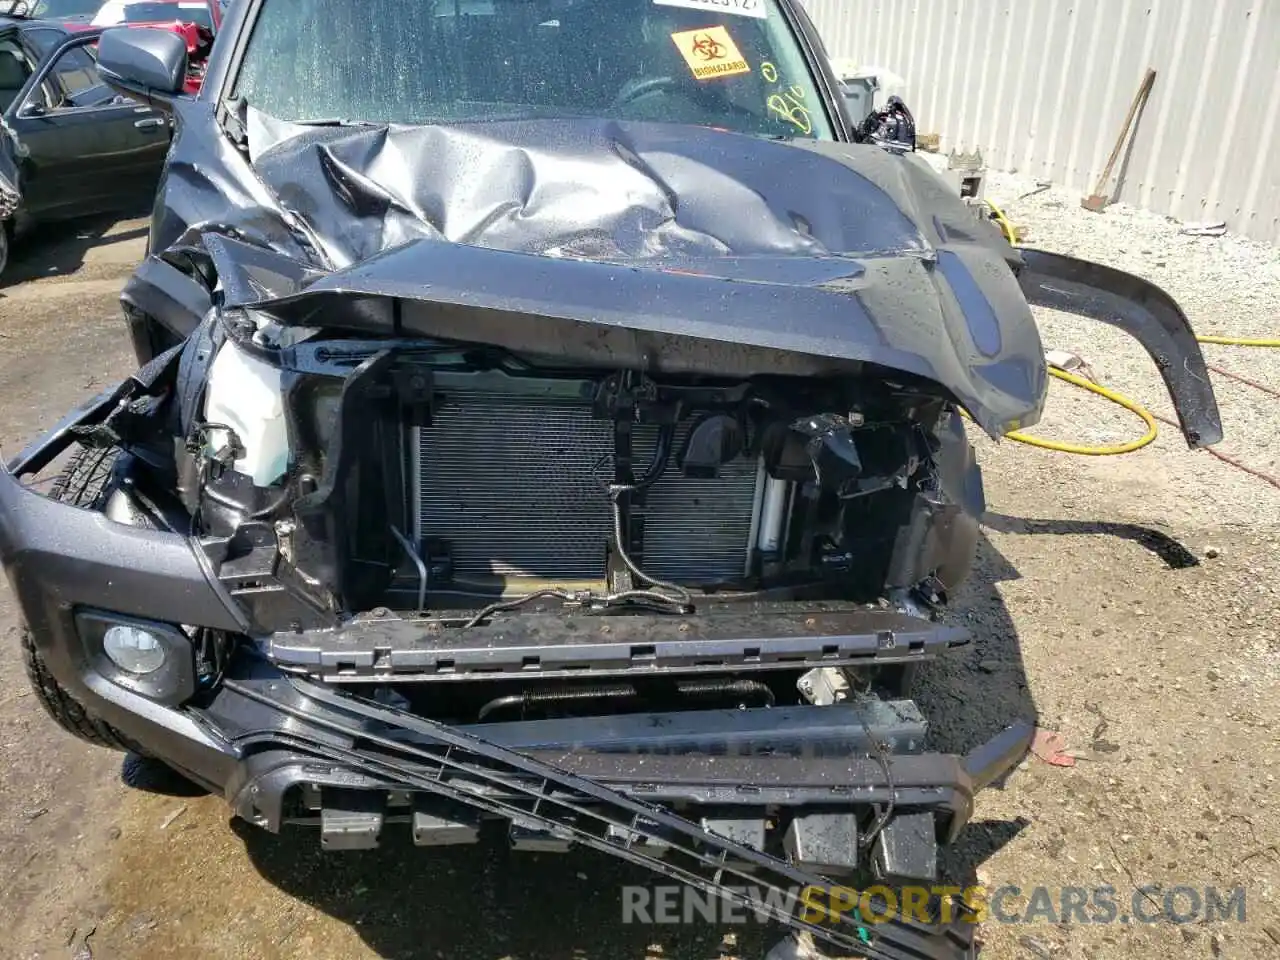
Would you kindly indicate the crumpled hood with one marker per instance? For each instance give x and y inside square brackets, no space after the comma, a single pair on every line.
[660,246]
[592,189]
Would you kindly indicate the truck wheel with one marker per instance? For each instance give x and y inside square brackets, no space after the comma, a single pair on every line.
[84,482]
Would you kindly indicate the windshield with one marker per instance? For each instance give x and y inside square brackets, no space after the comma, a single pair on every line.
[733,64]
[186,11]
[53,9]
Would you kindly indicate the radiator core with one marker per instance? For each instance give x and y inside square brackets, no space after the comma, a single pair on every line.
[514,485]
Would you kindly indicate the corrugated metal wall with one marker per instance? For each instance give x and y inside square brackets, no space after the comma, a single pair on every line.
[1043,86]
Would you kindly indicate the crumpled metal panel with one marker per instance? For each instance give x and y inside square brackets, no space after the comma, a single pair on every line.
[670,248]
[595,189]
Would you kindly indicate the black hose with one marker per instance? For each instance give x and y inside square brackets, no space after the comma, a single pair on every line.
[881,751]
[534,697]
[657,467]
[661,457]
[518,602]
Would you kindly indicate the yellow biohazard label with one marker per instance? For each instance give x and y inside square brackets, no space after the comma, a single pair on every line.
[710,53]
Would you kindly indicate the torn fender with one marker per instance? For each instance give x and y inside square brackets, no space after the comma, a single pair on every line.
[1144,312]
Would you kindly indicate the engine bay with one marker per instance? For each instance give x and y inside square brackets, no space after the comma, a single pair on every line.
[462,481]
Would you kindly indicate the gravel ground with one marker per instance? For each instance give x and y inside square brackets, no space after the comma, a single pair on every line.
[1096,605]
[1228,286]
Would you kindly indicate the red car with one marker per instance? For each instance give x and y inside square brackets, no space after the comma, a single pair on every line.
[197,21]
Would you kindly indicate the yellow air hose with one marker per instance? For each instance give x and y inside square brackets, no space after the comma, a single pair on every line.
[1110,450]
[1239,342]
[1082,450]
[1011,234]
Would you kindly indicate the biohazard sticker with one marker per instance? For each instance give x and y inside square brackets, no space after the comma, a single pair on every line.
[742,8]
[710,53]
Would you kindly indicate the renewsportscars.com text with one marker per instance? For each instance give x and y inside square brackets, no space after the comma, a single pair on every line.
[1149,904]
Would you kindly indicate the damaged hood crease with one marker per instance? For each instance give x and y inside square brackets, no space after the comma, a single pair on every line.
[669,248]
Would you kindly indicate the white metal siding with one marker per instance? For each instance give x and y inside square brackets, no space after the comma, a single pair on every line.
[1042,86]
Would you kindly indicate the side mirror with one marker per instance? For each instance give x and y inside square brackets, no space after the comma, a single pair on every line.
[149,65]
[33,110]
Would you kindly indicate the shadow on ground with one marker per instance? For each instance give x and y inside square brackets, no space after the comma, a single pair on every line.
[970,697]
[1174,554]
[483,901]
[60,249]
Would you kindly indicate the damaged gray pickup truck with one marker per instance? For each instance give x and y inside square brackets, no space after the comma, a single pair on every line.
[548,421]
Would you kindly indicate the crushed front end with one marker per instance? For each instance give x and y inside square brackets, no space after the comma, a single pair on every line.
[639,556]
[731,576]
[432,587]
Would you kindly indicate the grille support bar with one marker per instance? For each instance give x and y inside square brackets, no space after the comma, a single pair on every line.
[620,577]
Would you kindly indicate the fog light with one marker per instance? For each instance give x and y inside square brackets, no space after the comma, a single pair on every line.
[133,648]
[154,660]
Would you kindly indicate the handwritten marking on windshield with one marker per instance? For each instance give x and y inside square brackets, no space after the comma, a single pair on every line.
[787,103]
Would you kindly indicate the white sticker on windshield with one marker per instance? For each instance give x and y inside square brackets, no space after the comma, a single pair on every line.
[742,8]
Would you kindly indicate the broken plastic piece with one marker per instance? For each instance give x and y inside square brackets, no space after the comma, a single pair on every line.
[1051,747]
[1070,362]
[833,452]
[1205,229]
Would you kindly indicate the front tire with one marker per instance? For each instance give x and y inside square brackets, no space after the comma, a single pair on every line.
[84,482]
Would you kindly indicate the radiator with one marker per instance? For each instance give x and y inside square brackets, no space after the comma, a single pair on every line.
[513,485]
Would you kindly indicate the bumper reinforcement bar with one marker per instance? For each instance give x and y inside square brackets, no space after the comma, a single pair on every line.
[547,646]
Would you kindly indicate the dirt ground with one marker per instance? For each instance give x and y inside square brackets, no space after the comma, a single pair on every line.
[1129,603]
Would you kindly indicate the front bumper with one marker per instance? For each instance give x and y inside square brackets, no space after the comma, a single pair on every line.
[303,744]
[61,559]
[283,750]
